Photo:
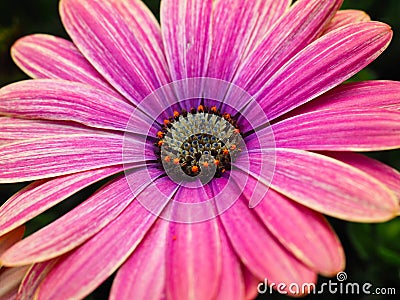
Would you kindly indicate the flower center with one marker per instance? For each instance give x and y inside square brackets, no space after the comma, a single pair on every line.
[198,142]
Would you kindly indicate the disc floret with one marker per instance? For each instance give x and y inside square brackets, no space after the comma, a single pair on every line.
[199,141]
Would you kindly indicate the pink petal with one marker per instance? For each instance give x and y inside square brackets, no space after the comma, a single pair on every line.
[301,24]
[258,249]
[61,155]
[121,48]
[41,195]
[232,286]
[318,246]
[193,256]
[238,26]
[366,94]
[251,283]
[82,270]
[13,129]
[193,204]
[269,12]
[331,187]
[388,176]
[186,32]
[346,17]
[81,223]
[306,76]
[10,278]
[46,56]
[340,130]
[10,238]
[33,278]
[146,30]
[147,262]
[64,100]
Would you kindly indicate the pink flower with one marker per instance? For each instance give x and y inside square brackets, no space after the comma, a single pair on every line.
[228,104]
[10,278]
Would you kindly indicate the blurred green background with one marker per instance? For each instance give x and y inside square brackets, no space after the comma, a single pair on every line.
[372,250]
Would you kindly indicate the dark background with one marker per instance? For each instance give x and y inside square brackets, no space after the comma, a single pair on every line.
[372,250]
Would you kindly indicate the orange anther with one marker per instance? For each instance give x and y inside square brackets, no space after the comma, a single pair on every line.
[176,114]
[200,108]
[160,143]
[214,109]
[227,116]
[237,131]
[205,164]
[176,161]
[167,159]
[160,134]
[195,169]
[233,147]
[225,152]
[166,122]
[216,162]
